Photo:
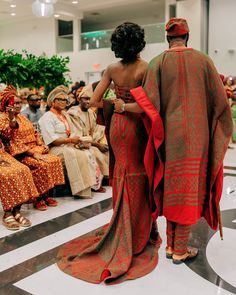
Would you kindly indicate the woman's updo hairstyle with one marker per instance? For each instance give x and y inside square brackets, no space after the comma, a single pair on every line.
[127,41]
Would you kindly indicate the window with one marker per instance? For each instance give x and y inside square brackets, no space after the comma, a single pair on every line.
[64,36]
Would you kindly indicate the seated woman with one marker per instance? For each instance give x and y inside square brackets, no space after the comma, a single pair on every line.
[58,133]
[84,122]
[22,141]
[17,187]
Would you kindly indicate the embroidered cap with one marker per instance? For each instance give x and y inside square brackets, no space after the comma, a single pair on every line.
[177,27]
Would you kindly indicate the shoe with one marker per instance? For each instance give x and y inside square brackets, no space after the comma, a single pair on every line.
[154,234]
[51,202]
[190,254]
[10,223]
[40,205]
[23,221]
[169,252]
[100,190]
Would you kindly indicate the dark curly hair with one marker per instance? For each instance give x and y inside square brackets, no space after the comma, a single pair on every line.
[127,41]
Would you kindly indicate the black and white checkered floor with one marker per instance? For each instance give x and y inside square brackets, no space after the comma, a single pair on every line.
[27,257]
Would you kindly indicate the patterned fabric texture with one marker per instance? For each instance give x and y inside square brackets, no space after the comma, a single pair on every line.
[121,251]
[16,182]
[177,236]
[46,174]
[192,103]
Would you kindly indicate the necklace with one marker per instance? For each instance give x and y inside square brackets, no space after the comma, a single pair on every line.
[63,119]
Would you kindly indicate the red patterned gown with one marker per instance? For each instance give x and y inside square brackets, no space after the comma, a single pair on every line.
[121,251]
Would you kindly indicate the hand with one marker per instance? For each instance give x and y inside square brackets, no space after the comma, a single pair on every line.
[103,148]
[85,144]
[119,103]
[46,149]
[11,112]
[75,139]
[40,157]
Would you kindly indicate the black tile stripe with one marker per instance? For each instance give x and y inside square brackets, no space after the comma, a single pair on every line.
[31,234]
[230,167]
[201,234]
[12,290]
[30,267]
[229,174]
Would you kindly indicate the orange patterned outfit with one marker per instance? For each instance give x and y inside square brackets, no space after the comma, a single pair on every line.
[16,182]
[18,141]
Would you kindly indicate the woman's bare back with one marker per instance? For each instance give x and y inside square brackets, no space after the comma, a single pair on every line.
[127,75]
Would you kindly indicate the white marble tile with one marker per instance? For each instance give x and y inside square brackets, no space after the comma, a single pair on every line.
[230,157]
[166,279]
[228,200]
[42,245]
[221,255]
[66,205]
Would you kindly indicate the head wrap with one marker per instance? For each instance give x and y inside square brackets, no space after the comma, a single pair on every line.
[177,27]
[77,93]
[87,91]
[2,86]
[59,90]
[6,96]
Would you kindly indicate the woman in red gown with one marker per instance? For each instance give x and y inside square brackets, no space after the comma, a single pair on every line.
[122,249]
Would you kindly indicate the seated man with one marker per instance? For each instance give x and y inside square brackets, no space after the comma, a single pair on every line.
[32,111]
[84,123]
[58,133]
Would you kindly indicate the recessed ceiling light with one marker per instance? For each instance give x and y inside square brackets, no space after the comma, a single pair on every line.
[56,15]
[75,2]
[13,5]
[13,14]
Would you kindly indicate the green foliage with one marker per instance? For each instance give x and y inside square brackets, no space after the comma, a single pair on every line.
[28,70]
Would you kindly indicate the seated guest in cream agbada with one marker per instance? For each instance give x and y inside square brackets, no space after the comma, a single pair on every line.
[22,141]
[17,187]
[58,132]
[84,122]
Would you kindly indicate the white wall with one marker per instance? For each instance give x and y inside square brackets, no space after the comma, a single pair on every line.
[35,35]
[38,36]
[191,11]
[222,36]
[83,61]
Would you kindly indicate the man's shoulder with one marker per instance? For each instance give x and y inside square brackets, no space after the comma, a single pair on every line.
[25,111]
[156,59]
[201,55]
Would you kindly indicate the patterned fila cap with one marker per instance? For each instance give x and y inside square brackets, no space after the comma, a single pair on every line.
[177,27]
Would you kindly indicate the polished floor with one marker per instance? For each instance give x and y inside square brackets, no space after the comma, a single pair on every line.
[27,257]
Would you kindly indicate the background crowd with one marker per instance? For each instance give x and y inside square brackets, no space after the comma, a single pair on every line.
[48,142]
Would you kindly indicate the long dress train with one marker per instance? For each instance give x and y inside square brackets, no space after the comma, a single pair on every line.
[121,250]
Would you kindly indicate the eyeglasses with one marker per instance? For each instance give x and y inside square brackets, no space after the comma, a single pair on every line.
[61,99]
[84,97]
[37,99]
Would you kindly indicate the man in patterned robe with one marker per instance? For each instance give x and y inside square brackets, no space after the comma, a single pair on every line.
[189,124]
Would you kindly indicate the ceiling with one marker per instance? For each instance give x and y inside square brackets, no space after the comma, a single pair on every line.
[90,11]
